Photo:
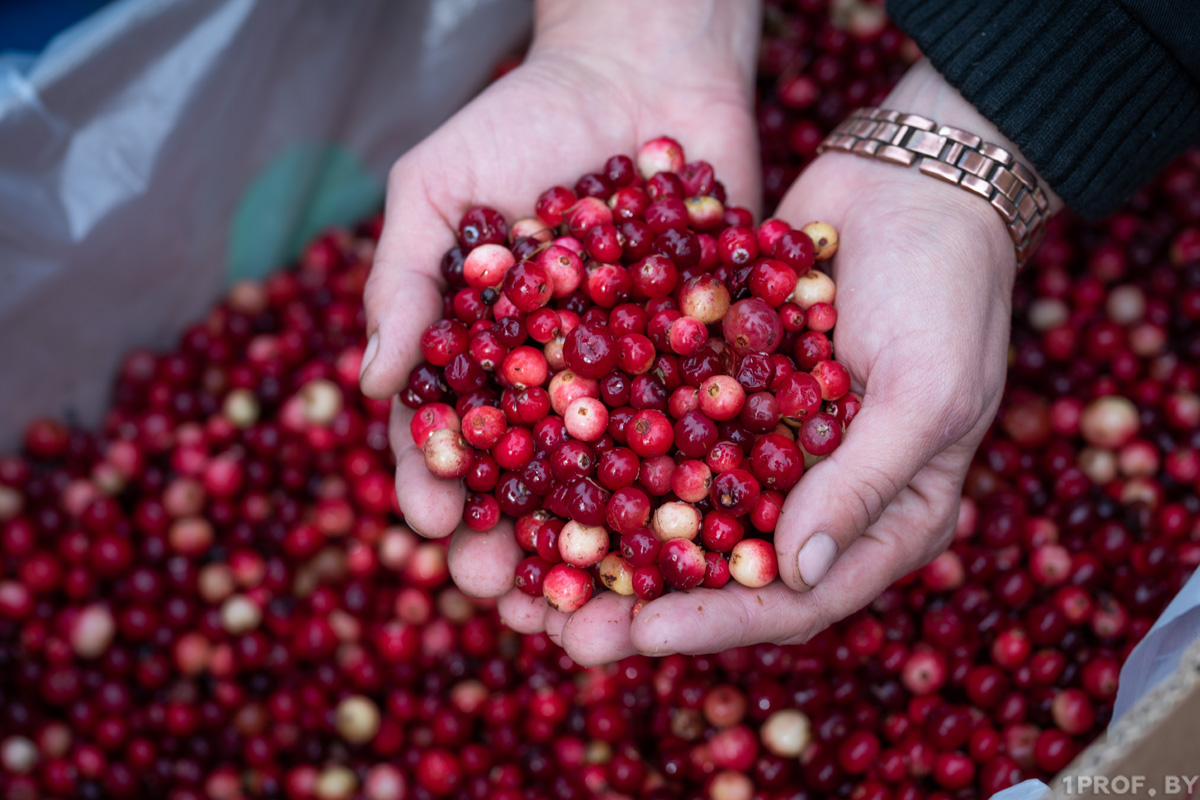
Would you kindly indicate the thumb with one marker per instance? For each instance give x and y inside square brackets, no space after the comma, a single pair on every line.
[843,495]
[403,293]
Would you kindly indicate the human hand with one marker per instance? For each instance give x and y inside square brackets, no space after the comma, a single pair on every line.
[593,85]
[924,276]
[924,279]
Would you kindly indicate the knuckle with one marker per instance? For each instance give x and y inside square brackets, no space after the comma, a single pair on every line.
[873,489]
[916,551]
[811,616]
[961,412]
[943,529]
[741,616]
[583,650]
[957,405]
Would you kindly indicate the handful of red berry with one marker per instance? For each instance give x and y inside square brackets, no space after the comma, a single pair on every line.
[637,374]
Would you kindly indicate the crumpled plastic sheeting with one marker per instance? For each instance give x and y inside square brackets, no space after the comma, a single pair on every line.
[1155,657]
[125,147]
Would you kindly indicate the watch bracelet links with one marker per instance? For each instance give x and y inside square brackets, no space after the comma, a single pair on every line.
[953,156]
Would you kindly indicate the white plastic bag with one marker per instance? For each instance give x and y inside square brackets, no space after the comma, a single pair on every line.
[165,147]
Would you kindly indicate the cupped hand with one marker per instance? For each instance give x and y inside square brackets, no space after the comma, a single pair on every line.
[593,85]
[924,278]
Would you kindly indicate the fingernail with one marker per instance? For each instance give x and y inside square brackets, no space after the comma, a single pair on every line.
[815,558]
[369,355]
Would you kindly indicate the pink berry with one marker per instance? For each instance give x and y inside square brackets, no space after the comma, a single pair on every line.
[563,268]
[676,521]
[691,481]
[567,588]
[447,454]
[1073,711]
[525,367]
[704,298]
[585,214]
[485,266]
[1109,421]
[430,418]
[659,155]
[924,672]
[687,335]
[812,288]
[582,545]
[721,398]
[586,419]
[753,563]
[566,387]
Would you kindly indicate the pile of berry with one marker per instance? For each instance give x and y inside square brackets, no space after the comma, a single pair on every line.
[634,370]
[213,597]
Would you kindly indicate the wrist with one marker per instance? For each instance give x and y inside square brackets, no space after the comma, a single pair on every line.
[951,235]
[980,174]
[924,91]
[690,43]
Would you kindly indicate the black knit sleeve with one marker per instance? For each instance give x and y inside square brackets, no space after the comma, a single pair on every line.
[1094,99]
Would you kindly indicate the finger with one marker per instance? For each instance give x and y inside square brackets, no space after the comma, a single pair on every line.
[555,622]
[482,563]
[916,526]
[522,613]
[431,506]
[402,296]
[598,633]
[847,492]
[710,620]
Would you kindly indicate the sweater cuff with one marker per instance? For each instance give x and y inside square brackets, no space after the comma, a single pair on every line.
[1094,102]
